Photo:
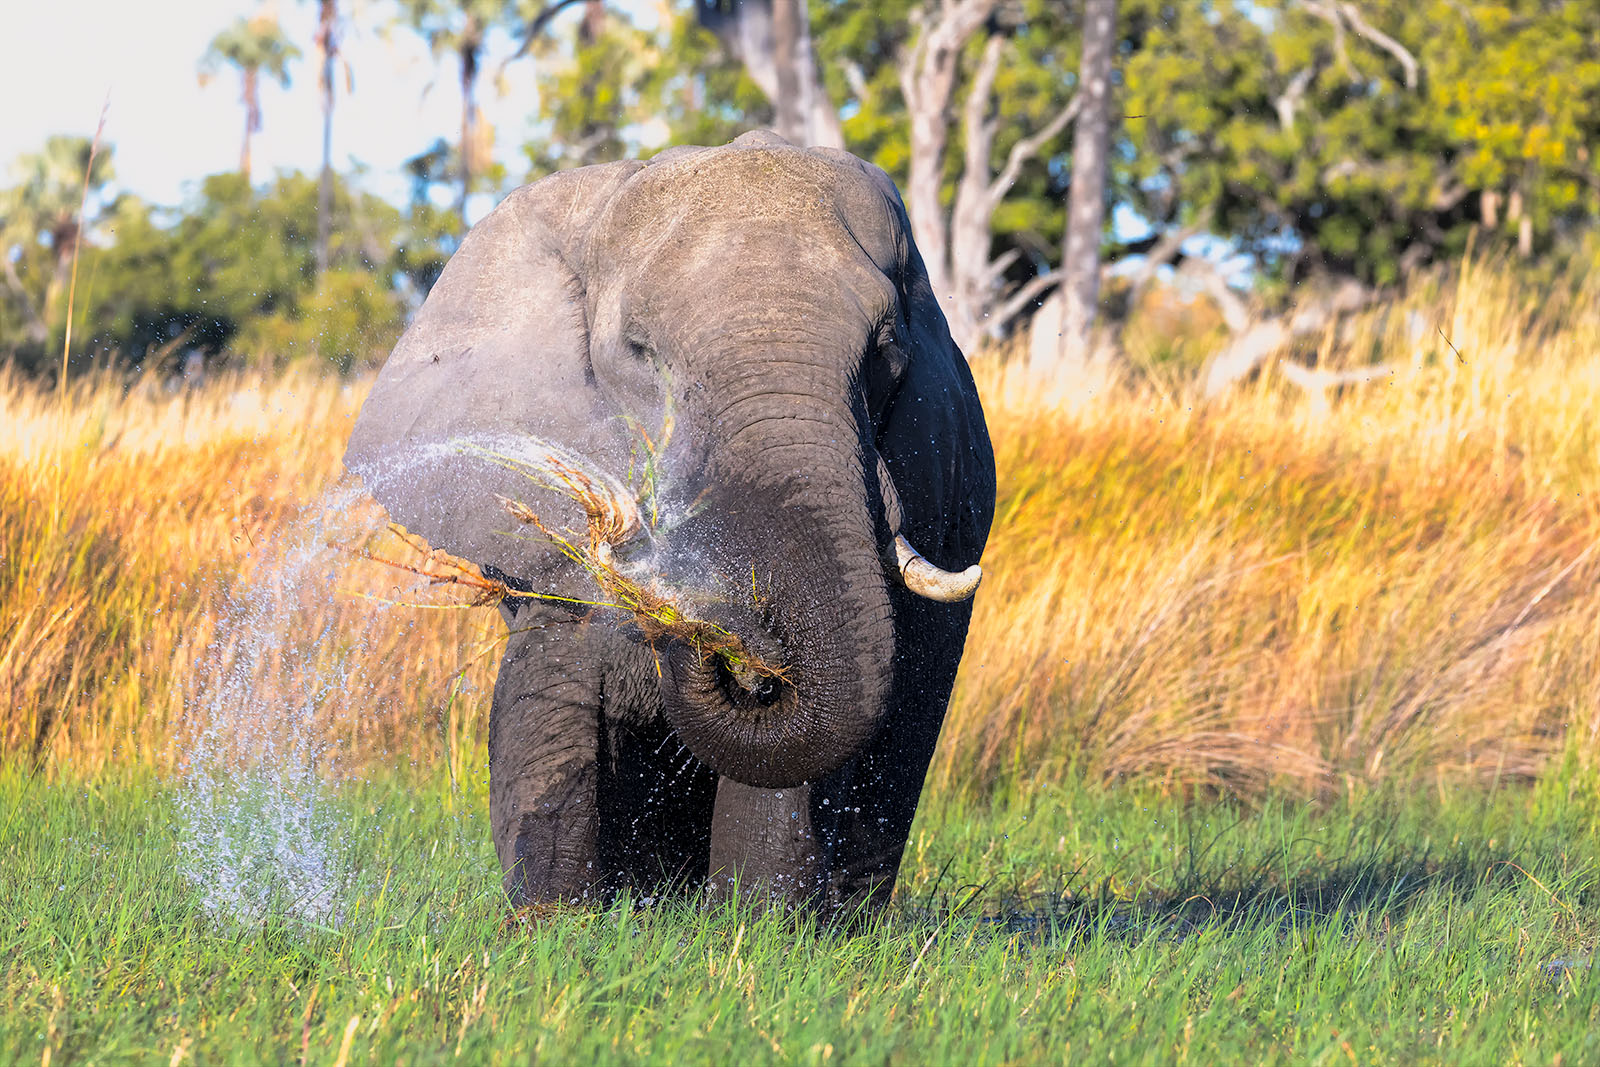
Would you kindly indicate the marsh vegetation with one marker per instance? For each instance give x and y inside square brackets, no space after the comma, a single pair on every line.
[1274,741]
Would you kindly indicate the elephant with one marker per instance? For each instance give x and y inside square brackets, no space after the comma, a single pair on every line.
[763,307]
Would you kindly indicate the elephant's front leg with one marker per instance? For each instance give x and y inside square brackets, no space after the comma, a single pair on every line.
[544,738]
[762,841]
[864,811]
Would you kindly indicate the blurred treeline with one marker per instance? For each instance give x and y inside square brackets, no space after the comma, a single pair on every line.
[1263,155]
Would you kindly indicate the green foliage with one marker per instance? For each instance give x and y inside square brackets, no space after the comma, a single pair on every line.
[629,92]
[39,227]
[1357,173]
[1299,142]
[254,46]
[232,276]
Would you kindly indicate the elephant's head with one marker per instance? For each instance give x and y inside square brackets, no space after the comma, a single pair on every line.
[767,301]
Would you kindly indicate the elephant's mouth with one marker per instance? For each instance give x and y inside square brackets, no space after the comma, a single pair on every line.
[750,693]
[808,601]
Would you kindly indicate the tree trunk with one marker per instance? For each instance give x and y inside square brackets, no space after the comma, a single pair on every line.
[327,18]
[471,45]
[929,69]
[594,21]
[1086,201]
[790,107]
[749,30]
[252,115]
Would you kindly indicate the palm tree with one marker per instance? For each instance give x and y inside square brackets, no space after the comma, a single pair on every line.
[328,49]
[42,208]
[460,27]
[252,46]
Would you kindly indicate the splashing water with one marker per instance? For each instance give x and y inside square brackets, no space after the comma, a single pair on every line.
[263,831]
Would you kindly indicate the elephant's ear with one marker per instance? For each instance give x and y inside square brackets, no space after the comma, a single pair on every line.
[495,362]
[933,436]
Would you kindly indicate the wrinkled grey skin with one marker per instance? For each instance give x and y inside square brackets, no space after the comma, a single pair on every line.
[773,295]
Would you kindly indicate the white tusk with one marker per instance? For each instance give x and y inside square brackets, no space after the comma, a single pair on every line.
[926,580]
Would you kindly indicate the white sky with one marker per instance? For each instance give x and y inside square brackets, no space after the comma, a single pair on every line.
[169,131]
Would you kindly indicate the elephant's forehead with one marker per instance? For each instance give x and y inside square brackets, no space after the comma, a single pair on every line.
[735,198]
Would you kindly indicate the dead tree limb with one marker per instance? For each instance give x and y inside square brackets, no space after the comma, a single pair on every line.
[928,74]
[1343,15]
[1255,340]
[1315,382]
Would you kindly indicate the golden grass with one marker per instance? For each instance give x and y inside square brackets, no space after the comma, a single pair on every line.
[1272,591]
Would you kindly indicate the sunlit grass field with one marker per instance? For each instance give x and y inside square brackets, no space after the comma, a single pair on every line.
[1275,738]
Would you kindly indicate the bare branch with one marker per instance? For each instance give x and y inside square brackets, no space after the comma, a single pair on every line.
[1029,147]
[1235,312]
[856,78]
[1247,351]
[1382,40]
[1448,191]
[1316,383]
[1163,251]
[1289,102]
[1256,342]
[1000,264]
[1337,13]
[1331,16]
[1314,315]
[1030,291]
[535,26]
[980,127]
[1313,379]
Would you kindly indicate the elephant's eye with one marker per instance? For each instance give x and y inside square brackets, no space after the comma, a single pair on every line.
[890,348]
[886,367]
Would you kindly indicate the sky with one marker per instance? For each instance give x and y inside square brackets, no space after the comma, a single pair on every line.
[169,131]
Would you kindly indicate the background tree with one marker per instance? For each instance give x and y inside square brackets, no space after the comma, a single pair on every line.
[773,41]
[625,91]
[1320,150]
[1086,203]
[327,42]
[39,226]
[460,28]
[230,278]
[1338,146]
[983,192]
[253,46]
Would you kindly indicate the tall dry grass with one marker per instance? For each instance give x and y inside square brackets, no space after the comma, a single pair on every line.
[1398,582]
[131,528]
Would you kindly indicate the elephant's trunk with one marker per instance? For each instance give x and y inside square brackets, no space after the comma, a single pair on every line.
[790,529]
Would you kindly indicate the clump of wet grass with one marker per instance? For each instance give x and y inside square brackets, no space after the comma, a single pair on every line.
[634,596]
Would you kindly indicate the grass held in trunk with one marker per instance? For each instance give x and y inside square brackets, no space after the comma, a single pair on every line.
[612,517]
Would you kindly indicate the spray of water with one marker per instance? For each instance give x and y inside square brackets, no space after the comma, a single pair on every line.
[263,831]
[263,826]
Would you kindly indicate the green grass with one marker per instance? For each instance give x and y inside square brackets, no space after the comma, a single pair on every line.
[1053,923]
